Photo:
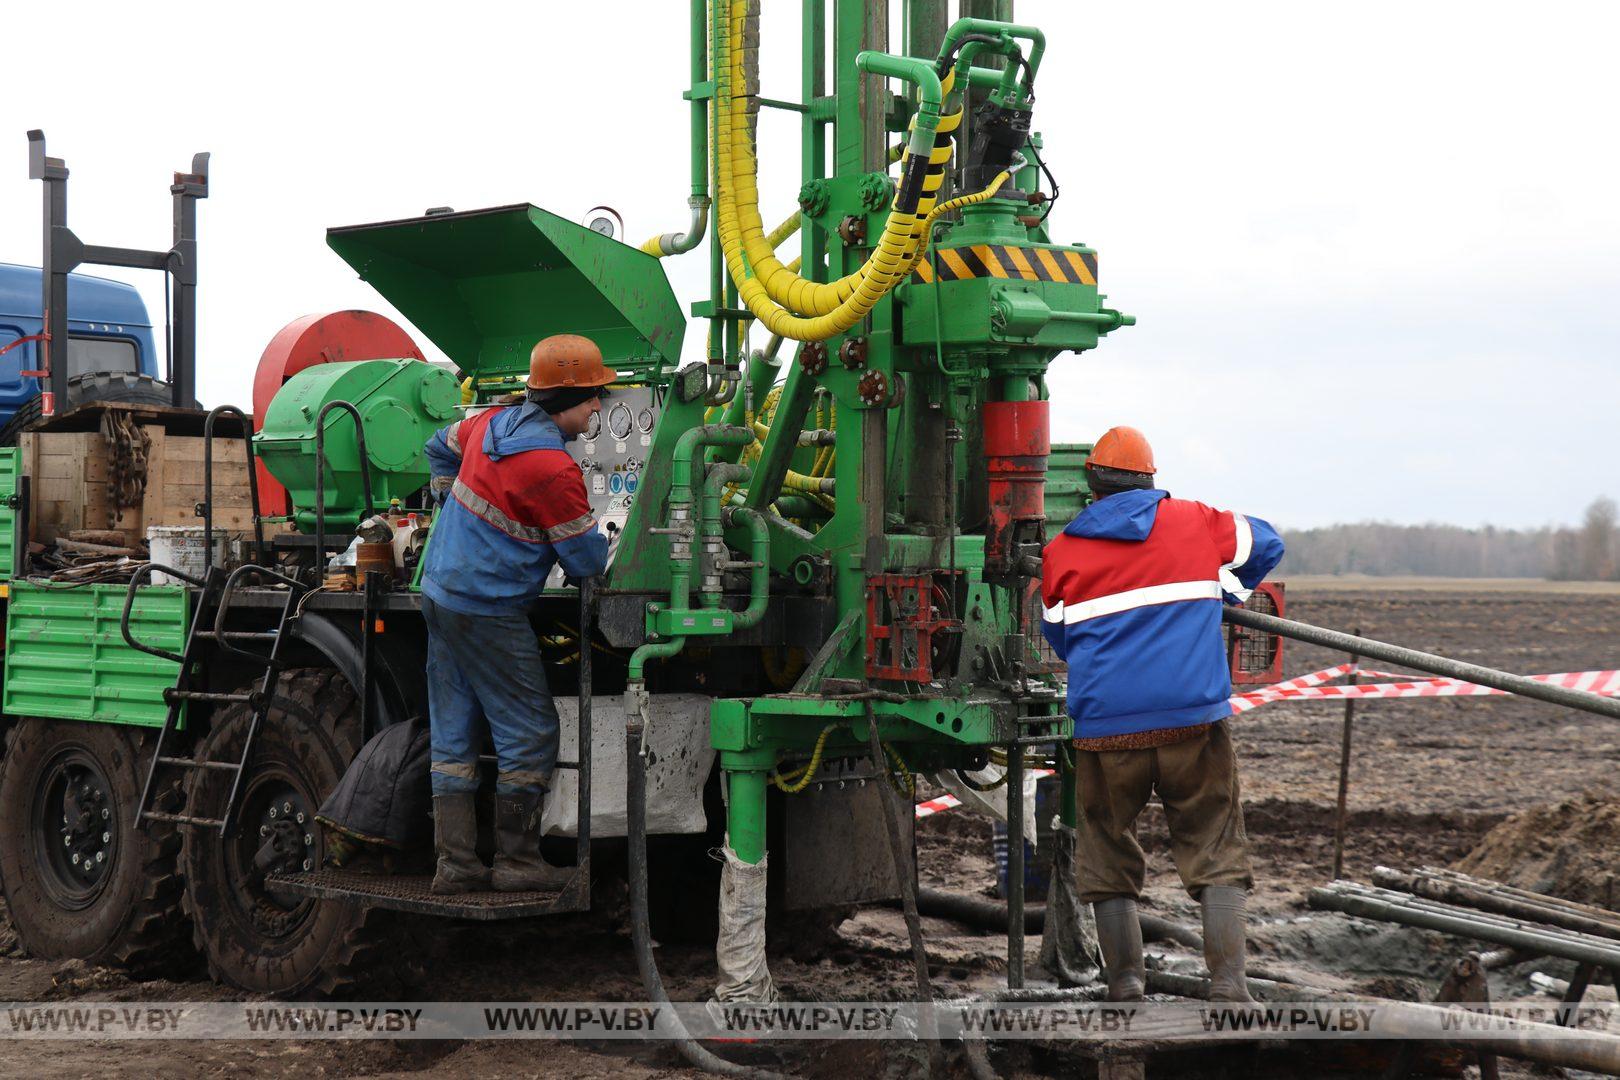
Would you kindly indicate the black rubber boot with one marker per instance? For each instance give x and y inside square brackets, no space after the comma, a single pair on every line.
[455,839]
[1224,942]
[518,864]
[1119,934]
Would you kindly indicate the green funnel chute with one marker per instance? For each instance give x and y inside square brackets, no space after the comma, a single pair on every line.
[485,285]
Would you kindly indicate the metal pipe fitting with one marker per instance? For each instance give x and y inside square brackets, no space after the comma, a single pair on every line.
[679,243]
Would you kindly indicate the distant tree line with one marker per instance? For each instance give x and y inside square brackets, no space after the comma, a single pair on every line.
[1589,551]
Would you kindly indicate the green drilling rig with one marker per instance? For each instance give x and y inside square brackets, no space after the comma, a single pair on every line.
[827,534]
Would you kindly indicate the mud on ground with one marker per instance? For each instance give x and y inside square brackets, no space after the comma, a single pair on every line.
[1430,778]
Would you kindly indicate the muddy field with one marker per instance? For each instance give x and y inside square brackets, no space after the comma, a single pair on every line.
[1429,779]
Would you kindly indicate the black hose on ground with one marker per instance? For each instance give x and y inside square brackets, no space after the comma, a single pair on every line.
[991,915]
[641,934]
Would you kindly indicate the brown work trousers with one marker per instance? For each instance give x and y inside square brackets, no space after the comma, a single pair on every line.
[1197,781]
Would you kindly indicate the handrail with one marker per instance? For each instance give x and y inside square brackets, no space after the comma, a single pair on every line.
[129,606]
[223,608]
[320,476]
[208,480]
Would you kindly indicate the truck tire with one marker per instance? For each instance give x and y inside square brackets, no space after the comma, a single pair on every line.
[81,878]
[286,947]
[123,387]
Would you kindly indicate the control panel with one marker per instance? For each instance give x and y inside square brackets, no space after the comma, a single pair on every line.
[611,454]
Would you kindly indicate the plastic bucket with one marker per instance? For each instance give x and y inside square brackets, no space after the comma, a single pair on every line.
[180,547]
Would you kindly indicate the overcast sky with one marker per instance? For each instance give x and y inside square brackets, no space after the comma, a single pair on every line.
[1374,248]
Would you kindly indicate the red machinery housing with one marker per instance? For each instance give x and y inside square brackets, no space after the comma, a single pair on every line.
[1017,442]
[335,337]
[1256,656]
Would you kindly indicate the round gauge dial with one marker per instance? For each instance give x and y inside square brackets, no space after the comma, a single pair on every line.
[620,420]
[644,420]
[593,426]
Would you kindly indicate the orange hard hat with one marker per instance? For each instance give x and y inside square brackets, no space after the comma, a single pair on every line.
[567,360]
[1123,448]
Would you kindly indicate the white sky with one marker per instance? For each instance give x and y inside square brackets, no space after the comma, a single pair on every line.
[1374,248]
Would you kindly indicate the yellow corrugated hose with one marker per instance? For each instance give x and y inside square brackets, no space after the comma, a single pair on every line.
[768,289]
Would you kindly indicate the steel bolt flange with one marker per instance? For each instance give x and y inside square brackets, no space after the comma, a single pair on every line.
[852,353]
[813,358]
[873,388]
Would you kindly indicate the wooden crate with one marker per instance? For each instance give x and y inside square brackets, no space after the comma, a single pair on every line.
[68,471]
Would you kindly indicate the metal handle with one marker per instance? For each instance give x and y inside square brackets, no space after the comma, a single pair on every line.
[225,605]
[129,606]
[320,475]
[208,477]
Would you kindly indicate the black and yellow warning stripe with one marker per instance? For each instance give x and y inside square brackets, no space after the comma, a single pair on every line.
[1006,261]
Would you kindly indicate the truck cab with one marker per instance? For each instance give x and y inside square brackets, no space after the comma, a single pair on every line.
[109,330]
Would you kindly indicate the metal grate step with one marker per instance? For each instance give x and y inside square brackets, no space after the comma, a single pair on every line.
[413,893]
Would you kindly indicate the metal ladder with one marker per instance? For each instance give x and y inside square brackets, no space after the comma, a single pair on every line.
[181,692]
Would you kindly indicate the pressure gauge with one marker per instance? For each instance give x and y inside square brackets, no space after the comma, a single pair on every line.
[593,426]
[644,420]
[620,420]
[604,220]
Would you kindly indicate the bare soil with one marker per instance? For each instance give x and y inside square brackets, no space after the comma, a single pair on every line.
[1429,779]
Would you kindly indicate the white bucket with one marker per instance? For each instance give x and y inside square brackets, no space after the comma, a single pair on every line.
[180,547]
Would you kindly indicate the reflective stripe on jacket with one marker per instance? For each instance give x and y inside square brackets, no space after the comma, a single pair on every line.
[1132,590]
[514,505]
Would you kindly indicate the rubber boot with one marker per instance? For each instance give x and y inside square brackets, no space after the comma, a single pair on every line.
[1119,934]
[455,839]
[518,864]
[1224,942]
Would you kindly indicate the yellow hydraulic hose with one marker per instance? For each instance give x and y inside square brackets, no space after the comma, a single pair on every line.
[783,231]
[788,290]
[833,308]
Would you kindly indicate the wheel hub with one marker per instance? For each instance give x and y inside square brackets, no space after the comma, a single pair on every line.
[77,828]
[279,835]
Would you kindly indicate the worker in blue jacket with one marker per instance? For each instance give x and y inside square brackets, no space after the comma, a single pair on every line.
[514,506]
[1133,589]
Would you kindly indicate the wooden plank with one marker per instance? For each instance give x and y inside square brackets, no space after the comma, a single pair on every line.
[157,479]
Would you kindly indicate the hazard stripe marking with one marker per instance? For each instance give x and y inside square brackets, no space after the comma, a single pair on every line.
[1053,267]
[987,256]
[1078,265]
[1021,263]
[1008,262]
[951,259]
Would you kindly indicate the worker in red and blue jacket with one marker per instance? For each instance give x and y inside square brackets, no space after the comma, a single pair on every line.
[514,506]
[1133,589]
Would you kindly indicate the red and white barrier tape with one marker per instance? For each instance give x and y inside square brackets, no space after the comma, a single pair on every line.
[946,802]
[1606,683]
[1309,688]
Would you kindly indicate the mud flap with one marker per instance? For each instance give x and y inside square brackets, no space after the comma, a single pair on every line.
[740,945]
[1069,943]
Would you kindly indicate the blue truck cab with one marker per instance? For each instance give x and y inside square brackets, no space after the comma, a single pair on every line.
[108,330]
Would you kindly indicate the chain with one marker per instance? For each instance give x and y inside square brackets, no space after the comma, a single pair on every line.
[128,447]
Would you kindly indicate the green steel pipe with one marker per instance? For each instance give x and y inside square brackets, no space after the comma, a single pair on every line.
[715,21]
[759,575]
[1106,317]
[652,650]
[712,590]
[921,74]
[700,106]
[682,532]
[1037,39]
[745,811]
